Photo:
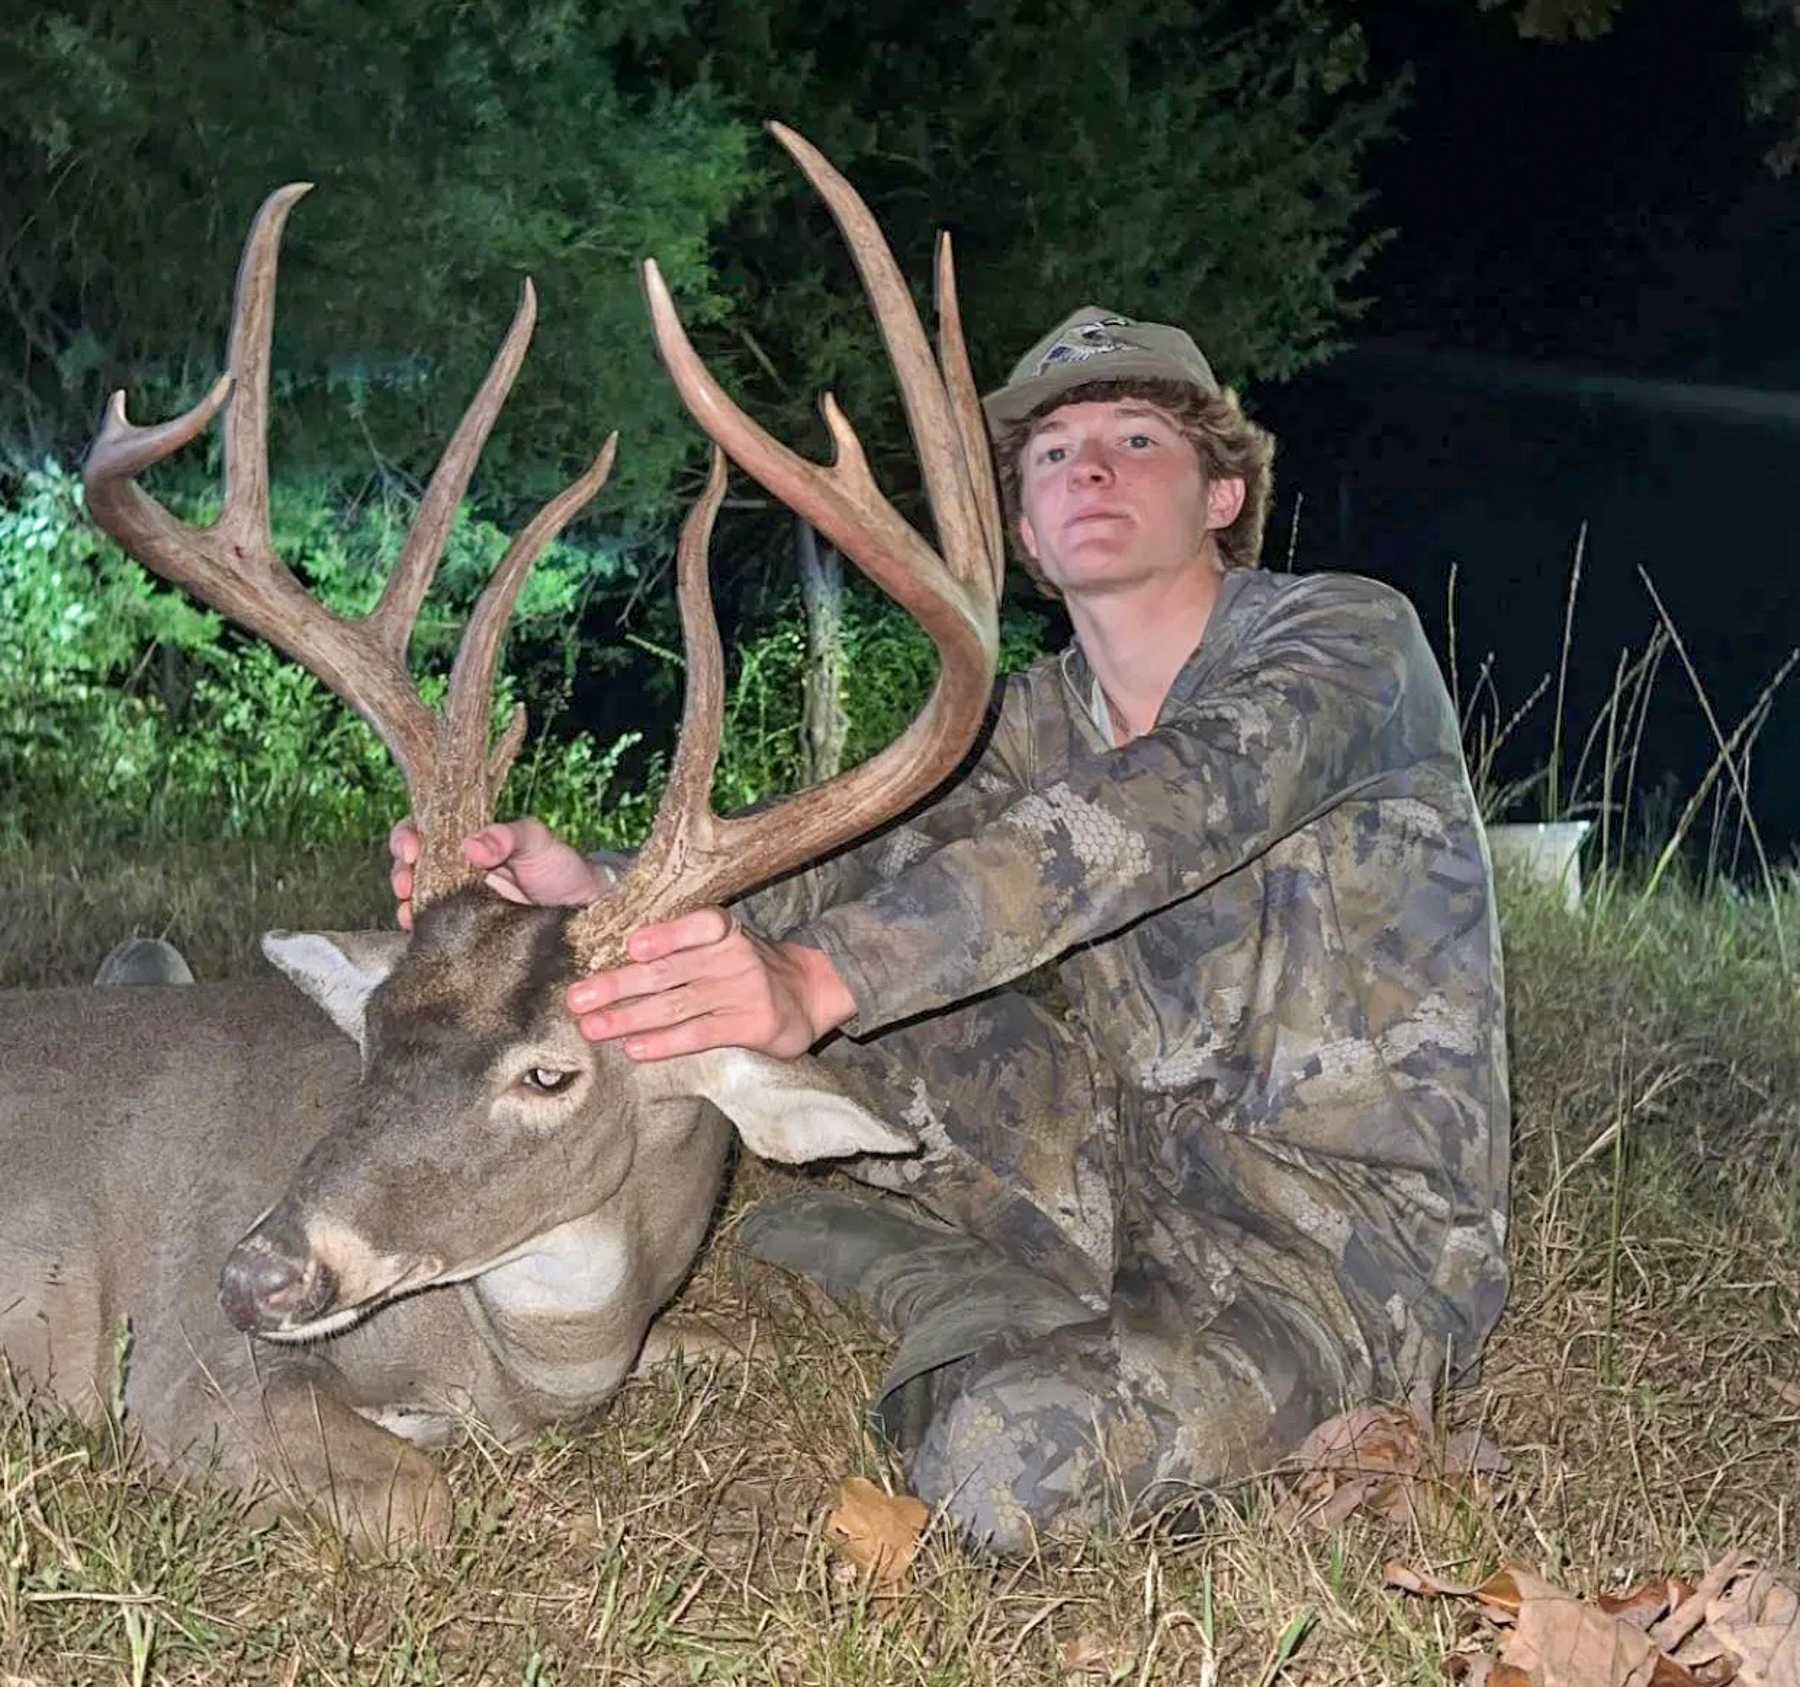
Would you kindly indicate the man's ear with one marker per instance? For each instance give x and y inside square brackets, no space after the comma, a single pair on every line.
[337,969]
[787,1110]
[1027,536]
[1224,502]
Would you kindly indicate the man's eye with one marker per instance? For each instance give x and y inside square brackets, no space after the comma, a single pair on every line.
[1140,441]
[546,1080]
[1052,454]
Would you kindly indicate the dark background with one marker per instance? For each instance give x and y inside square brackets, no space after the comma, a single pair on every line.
[1586,319]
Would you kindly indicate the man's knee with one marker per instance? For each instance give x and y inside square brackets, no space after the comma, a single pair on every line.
[1009,1445]
[1097,1423]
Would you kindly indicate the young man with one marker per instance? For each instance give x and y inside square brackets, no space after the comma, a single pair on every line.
[1256,1171]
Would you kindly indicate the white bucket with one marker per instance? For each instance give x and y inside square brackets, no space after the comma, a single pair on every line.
[1545,852]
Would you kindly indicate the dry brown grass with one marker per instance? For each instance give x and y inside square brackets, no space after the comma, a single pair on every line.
[1637,1385]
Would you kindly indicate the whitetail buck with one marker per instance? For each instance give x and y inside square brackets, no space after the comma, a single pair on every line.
[465,1209]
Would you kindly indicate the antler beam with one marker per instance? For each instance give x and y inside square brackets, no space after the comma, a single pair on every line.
[692,856]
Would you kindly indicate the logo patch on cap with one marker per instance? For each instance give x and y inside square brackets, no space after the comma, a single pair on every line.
[1088,340]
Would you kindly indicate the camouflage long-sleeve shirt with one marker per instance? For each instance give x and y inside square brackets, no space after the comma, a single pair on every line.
[1273,917]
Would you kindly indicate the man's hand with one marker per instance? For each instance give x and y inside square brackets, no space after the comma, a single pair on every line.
[524,861]
[702,982]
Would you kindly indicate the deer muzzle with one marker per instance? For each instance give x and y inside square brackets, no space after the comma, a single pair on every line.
[273,1280]
[296,1282]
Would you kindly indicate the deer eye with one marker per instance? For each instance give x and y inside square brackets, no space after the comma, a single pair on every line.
[546,1080]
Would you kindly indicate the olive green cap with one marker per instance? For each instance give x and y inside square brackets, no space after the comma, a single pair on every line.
[1096,345]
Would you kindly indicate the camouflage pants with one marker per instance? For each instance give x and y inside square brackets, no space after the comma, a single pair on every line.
[1223,1328]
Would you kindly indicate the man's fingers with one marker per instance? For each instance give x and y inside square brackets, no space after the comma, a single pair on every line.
[631,982]
[689,1037]
[403,842]
[698,930]
[656,1012]
[491,845]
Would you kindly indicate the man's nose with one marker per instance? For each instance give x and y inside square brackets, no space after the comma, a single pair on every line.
[1090,463]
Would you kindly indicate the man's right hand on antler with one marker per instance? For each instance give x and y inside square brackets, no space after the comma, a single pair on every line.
[524,861]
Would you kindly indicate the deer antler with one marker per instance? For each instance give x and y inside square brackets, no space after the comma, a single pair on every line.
[452,776]
[693,857]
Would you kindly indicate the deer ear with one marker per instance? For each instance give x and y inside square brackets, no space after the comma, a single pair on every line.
[337,969]
[789,1110]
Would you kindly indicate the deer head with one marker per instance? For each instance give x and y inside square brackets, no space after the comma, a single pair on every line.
[482,1122]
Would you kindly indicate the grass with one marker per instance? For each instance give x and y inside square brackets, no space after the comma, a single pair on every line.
[1641,1383]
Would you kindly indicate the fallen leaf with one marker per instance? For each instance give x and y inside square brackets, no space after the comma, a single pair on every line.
[1646,1607]
[1758,1619]
[1676,1628]
[1560,1641]
[1477,1669]
[878,1532]
[1088,1653]
[1553,1639]
[1788,1391]
[1372,1459]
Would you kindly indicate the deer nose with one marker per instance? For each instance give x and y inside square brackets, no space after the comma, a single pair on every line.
[265,1285]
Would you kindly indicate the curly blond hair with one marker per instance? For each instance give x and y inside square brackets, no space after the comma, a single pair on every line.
[1230,446]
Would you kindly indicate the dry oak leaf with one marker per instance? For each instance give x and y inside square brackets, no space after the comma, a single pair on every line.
[878,1532]
[1553,1639]
[1372,1458]
[1757,1619]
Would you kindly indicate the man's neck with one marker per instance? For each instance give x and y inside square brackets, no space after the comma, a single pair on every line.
[1137,642]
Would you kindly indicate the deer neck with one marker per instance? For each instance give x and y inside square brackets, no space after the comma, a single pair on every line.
[565,1318]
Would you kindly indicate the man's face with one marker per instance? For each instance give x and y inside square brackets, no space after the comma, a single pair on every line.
[1111,494]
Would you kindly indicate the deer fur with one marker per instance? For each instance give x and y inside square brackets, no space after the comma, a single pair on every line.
[487,1252]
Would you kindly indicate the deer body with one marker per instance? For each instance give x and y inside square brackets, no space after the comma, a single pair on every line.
[443,1248]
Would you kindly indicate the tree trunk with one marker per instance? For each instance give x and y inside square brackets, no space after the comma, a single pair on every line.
[823,724]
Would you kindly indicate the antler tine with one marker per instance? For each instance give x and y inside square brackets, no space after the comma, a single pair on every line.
[965,404]
[232,566]
[462,796]
[950,480]
[391,621]
[685,833]
[697,743]
[953,596]
[244,519]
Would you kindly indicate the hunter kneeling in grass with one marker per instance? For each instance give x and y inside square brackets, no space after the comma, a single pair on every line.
[1257,1172]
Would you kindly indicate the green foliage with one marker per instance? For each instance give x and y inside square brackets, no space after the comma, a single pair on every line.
[1773,92]
[889,665]
[1197,162]
[455,150]
[1189,162]
[128,716]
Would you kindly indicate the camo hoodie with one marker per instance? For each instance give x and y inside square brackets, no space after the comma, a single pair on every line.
[1273,919]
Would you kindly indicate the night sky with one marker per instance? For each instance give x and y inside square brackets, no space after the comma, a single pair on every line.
[1588,315]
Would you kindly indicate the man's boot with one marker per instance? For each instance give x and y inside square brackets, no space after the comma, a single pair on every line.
[944,1293]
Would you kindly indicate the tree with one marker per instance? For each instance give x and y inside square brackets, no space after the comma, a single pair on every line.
[456,149]
[1772,84]
[1196,162]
